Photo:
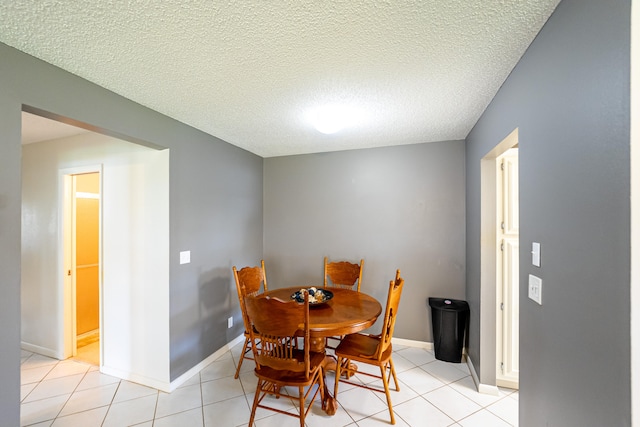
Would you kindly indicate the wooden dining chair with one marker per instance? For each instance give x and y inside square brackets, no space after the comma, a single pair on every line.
[373,349]
[343,274]
[280,363]
[249,280]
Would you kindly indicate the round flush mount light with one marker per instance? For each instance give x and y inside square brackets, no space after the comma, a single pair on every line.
[332,118]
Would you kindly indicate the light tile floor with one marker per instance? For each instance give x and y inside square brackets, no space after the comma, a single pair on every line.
[432,393]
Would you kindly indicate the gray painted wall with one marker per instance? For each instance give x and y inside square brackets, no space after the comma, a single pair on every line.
[569,97]
[397,207]
[10,211]
[215,211]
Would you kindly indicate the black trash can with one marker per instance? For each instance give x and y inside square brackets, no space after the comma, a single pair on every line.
[449,319]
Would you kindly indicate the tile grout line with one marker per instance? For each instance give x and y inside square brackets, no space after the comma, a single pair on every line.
[111,402]
[201,398]
[507,397]
[71,394]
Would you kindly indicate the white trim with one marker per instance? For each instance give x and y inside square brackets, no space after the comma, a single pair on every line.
[200,366]
[136,378]
[488,258]
[482,388]
[412,343]
[169,387]
[41,350]
[173,385]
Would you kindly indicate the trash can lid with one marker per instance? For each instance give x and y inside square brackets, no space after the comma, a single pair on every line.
[448,304]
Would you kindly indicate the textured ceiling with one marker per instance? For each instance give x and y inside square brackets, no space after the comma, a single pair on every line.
[251,72]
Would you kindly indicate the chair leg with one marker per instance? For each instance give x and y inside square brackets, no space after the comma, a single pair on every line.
[256,399]
[303,411]
[393,372]
[244,351]
[346,363]
[386,391]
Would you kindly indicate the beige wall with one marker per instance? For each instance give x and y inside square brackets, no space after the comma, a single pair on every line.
[135,244]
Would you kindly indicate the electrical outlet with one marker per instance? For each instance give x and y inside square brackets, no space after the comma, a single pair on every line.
[535,288]
[185,257]
[230,322]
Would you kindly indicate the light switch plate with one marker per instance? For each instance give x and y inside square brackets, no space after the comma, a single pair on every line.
[185,257]
[535,254]
[535,288]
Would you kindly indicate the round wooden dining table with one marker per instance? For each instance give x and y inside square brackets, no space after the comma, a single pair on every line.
[347,312]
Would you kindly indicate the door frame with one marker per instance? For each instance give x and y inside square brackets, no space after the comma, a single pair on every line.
[487,377]
[67,255]
[505,377]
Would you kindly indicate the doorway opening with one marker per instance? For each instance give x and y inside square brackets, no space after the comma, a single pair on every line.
[499,309]
[133,250]
[85,266]
[507,270]
[80,211]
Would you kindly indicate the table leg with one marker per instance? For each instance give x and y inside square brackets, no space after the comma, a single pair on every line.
[329,404]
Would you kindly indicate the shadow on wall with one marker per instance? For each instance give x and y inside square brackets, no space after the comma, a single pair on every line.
[218,300]
[199,317]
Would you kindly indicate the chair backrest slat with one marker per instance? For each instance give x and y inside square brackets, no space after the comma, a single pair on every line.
[390,314]
[342,274]
[253,278]
[249,280]
[277,325]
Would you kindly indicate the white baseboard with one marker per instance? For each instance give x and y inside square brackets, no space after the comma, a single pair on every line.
[41,350]
[138,379]
[200,366]
[168,387]
[482,388]
[412,343]
[165,386]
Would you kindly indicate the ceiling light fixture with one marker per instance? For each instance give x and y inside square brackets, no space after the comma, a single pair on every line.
[332,118]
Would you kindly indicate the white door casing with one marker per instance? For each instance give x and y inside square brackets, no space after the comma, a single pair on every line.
[507,292]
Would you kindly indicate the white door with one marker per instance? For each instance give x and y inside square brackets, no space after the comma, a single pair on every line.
[508,270]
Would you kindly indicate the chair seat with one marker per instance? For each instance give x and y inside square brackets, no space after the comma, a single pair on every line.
[372,349]
[291,378]
[361,347]
[282,367]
